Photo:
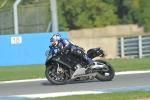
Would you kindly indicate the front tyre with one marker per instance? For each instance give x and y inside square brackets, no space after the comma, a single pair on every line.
[101,75]
[57,78]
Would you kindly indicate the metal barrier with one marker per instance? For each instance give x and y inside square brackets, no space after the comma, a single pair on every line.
[137,47]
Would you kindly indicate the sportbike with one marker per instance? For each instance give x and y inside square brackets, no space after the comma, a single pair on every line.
[63,66]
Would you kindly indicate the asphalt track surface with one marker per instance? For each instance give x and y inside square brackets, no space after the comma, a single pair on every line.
[41,86]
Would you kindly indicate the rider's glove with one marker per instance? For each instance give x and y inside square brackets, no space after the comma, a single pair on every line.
[50,46]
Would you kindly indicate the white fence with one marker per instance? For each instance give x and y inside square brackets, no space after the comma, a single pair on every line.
[137,47]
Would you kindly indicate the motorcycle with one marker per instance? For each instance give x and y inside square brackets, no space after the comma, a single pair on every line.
[63,66]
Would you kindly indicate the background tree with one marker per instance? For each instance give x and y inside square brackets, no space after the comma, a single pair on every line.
[86,14]
[139,13]
[78,14]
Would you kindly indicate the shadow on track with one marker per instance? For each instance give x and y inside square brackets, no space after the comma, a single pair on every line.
[47,83]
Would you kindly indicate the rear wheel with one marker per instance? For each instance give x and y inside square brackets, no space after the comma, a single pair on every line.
[55,77]
[105,74]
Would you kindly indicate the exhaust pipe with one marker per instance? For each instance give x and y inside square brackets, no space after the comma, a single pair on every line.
[98,66]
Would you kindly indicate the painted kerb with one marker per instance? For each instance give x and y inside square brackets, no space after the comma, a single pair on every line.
[137,47]
[23,49]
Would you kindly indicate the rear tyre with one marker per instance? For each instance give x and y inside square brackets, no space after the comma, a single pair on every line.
[54,77]
[101,74]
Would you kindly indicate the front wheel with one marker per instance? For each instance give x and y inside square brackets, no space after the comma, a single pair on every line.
[55,77]
[105,74]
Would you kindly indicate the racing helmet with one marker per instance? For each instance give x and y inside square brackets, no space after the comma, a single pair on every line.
[55,39]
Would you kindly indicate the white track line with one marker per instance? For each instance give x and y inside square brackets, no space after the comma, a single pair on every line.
[45,95]
[26,80]
[131,72]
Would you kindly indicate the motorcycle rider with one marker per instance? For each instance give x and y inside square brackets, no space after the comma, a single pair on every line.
[61,44]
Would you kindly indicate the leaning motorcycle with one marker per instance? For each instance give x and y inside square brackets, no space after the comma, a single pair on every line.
[63,66]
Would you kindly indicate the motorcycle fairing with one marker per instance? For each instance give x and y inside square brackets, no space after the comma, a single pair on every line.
[80,72]
[66,59]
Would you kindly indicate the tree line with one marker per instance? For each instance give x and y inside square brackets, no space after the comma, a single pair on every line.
[78,14]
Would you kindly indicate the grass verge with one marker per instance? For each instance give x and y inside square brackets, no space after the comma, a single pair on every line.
[130,64]
[38,71]
[132,95]
[22,72]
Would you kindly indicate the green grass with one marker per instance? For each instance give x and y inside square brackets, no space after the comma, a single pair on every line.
[130,64]
[22,72]
[133,95]
[38,71]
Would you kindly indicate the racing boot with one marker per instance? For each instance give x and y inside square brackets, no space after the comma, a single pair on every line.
[90,63]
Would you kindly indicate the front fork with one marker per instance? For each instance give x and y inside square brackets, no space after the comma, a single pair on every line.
[58,68]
